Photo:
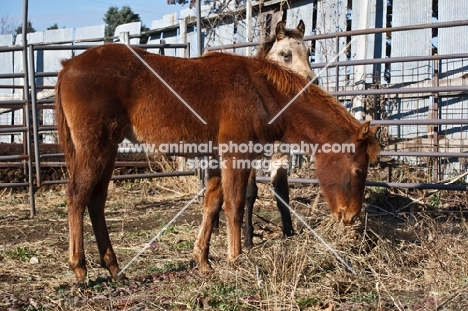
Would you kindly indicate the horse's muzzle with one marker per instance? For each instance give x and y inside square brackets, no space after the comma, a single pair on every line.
[345,218]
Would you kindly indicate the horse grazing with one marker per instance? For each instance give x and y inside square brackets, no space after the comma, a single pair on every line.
[287,48]
[107,94]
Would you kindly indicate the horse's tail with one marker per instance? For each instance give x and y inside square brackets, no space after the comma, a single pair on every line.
[64,135]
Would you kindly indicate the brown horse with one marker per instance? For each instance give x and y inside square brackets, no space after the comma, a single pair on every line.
[107,94]
[287,48]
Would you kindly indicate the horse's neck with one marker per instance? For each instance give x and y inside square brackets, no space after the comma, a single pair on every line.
[318,127]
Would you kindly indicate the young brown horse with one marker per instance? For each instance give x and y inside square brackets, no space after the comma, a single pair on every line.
[287,48]
[107,94]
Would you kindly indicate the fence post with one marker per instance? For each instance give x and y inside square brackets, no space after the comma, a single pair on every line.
[161,50]
[248,25]
[199,30]
[183,36]
[124,37]
[35,127]
[435,128]
[27,113]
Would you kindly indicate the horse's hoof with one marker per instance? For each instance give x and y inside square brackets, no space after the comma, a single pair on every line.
[81,275]
[248,244]
[201,259]
[288,233]
[120,277]
[234,263]
[204,266]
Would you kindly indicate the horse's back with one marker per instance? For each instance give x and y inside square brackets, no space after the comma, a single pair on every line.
[109,85]
[93,94]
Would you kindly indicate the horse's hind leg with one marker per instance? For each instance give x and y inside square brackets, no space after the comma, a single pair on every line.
[212,206]
[96,212]
[86,172]
[251,196]
[77,197]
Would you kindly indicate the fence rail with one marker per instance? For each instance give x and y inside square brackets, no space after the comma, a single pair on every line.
[434,141]
[30,107]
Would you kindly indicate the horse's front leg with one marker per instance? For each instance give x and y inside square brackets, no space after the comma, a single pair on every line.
[279,180]
[212,206]
[234,181]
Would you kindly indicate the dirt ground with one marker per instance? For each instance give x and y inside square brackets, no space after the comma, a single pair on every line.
[409,251]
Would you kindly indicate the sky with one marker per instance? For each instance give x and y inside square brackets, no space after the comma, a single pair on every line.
[70,14]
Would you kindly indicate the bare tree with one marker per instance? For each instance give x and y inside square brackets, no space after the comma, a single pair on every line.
[7,25]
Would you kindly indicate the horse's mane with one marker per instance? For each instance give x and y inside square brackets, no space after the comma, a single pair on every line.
[289,83]
[286,80]
[331,106]
[373,148]
[266,46]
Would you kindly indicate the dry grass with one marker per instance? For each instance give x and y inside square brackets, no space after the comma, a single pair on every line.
[409,251]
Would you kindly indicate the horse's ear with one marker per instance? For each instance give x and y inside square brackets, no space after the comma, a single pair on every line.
[373,129]
[301,27]
[363,131]
[280,30]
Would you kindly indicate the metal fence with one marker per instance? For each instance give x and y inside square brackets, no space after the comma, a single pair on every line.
[30,111]
[423,120]
[420,101]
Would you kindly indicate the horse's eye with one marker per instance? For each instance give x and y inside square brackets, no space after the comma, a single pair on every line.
[358,172]
[287,57]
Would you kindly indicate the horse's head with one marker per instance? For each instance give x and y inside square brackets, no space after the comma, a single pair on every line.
[289,50]
[342,173]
